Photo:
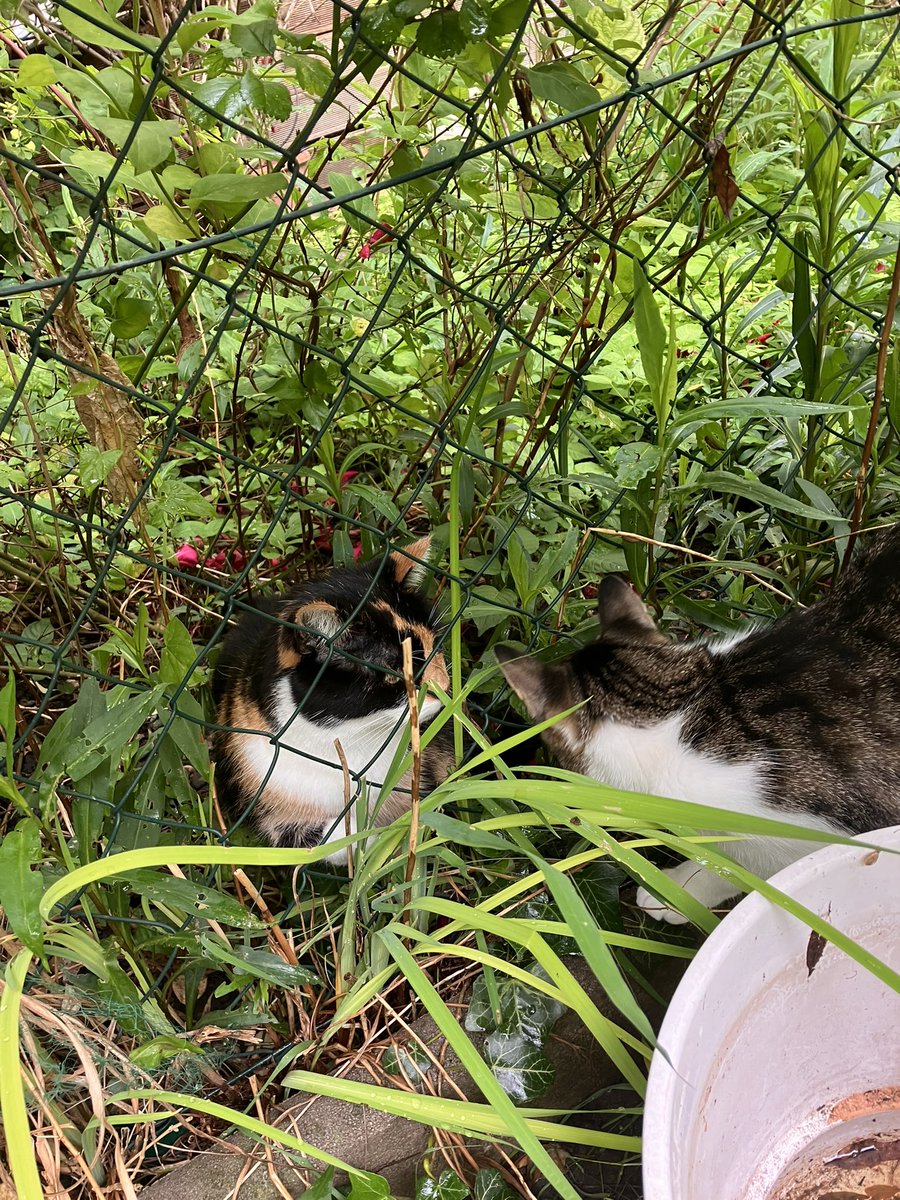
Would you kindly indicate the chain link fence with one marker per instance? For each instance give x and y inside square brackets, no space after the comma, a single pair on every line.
[575,288]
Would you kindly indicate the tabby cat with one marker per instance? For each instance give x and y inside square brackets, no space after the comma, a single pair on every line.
[324,663]
[798,720]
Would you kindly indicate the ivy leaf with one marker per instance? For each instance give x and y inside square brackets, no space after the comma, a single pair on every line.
[521,1068]
[490,1185]
[21,887]
[369,1187]
[447,1186]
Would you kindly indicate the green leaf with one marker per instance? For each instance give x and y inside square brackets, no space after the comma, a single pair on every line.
[105,738]
[277,102]
[439,34]
[179,654]
[198,900]
[161,1049]
[355,214]
[844,40]
[520,1066]
[507,17]
[94,465]
[313,75]
[597,954]
[892,384]
[21,888]
[165,224]
[562,85]
[261,964]
[447,1186]
[233,190]
[751,489]
[651,333]
[133,315]
[490,1185]
[35,71]
[152,142]
[802,317]
[95,24]
[20,1154]
[500,1105]
[370,1187]
[254,30]
[619,28]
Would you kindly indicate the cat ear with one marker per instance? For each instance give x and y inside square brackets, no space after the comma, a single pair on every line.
[622,610]
[408,573]
[319,616]
[528,678]
[314,628]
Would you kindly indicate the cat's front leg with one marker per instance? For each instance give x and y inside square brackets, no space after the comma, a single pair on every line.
[707,887]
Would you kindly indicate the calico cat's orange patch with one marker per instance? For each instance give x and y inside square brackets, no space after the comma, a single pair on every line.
[277,807]
[403,564]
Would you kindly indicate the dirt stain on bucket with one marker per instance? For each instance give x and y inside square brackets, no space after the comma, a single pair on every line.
[864,1169]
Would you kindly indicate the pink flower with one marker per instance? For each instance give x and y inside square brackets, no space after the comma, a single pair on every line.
[357,550]
[879,268]
[238,559]
[186,556]
[365,252]
[216,561]
[347,476]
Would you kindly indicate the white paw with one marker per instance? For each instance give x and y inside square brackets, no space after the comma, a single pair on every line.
[655,908]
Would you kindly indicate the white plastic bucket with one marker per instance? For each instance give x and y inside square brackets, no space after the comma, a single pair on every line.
[768,1058]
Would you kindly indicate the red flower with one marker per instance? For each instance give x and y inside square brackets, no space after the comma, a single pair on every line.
[216,561]
[376,236]
[347,476]
[879,268]
[238,559]
[186,556]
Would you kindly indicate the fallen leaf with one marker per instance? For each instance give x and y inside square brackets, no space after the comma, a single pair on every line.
[721,181]
[106,410]
[815,948]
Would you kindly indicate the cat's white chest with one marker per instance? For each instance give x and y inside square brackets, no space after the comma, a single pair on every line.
[304,762]
[657,761]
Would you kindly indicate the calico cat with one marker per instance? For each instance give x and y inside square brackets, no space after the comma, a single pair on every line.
[798,721]
[323,663]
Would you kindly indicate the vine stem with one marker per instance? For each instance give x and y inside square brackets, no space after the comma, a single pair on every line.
[874,416]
